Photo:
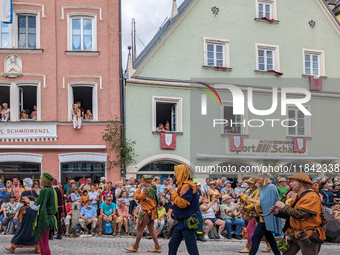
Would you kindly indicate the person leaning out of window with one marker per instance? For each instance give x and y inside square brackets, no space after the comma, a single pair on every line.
[88,115]
[76,115]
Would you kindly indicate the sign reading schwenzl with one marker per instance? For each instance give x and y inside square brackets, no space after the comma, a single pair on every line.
[34,130]
[274,147]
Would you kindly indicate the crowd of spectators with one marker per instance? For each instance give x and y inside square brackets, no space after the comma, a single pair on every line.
[113,208]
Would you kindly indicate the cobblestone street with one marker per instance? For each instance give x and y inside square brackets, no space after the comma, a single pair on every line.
[109,245]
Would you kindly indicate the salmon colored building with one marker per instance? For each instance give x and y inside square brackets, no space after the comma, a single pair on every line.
[54,54]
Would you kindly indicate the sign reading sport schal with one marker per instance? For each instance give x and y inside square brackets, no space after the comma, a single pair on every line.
[276,147]
[28,130]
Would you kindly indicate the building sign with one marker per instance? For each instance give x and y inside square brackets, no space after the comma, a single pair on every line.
[264,147]
[28,131]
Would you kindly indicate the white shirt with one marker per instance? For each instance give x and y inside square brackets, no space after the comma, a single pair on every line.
[210,213]
[93,196]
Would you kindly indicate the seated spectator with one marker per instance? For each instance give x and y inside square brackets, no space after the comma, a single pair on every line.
[68,216]
[124,198]
[123,215]
[208,212]
[76,115]
[34,113]
[88,115]
[2,205]
[10,214]
[23,115]
[69,190]
[160,128]
[238,190]
[5,113]
[75,197]
[231,208]
[326,194]
[213,191]
[107,213]
[161,218]
[84,198]
[88,214]
[228,190]
[86,185]
[94,196]
[107,193]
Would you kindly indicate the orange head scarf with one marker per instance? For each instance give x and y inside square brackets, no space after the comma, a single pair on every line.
[182,175]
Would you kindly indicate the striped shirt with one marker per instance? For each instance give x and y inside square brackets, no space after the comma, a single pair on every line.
[131,189]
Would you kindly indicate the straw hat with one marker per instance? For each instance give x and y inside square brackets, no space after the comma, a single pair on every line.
[225,197]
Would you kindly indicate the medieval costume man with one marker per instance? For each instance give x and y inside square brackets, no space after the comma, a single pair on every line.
[185,207]
[250,213]
[303,216]
[60,200]
[23,237]
[46,218]
[268,196]
[148,198]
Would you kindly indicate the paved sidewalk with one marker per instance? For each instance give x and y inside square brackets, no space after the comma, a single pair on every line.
[110,245]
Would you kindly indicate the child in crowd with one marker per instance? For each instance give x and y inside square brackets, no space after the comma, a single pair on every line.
[161,218]
[84,198]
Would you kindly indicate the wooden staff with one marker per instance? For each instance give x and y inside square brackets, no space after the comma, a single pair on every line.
[271,211]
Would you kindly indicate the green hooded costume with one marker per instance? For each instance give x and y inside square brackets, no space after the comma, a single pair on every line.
[46,217]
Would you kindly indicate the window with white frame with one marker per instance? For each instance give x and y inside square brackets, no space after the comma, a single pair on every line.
[5,94]
[28,102]
[23,33]
[297,123]
[313,62]
[4,29]
[267,57]
[168,112]
[82,36]
[27,31]
[235,122]
[216,52]
[85,95]
[266,9]
[215,55]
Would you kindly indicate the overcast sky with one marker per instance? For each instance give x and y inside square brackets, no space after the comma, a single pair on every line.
[149,15]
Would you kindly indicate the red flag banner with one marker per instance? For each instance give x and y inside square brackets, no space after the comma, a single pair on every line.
[168,141]
[236,143]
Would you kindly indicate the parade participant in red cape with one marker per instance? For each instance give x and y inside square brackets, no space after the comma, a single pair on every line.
[147,195]
[185,207]
[46,218]
[303,216]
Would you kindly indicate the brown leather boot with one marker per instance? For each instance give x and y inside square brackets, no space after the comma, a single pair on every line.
[36,250]
[268,249]
[159,250]
[245,250]
[10,248]
[132,248]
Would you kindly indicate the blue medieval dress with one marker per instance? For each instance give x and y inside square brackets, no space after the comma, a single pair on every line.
[23,237]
